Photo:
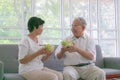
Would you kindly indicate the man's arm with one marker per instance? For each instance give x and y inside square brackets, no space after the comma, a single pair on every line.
[60,54]
[85,54]
[61,51]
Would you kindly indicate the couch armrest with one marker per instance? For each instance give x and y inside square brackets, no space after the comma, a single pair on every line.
[1,70]
[112,62]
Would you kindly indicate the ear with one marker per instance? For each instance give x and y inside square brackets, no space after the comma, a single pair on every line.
[34,28]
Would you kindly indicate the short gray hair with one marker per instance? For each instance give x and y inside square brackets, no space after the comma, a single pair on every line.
[82,21]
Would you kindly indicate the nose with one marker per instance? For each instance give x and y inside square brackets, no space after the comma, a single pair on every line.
[74,28]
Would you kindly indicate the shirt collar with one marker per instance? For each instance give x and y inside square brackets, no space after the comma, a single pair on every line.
[83,36]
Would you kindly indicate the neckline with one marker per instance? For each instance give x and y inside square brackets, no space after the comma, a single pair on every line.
[32,40]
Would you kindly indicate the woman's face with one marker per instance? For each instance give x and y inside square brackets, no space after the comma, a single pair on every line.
[39,30]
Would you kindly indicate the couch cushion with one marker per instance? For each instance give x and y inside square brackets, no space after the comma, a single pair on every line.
[99,58]
[13,76]
[9,55]
[112,62]
[1,70]
[111,71]
[54,63]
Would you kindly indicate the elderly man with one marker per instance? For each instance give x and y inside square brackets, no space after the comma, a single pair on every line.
[79,58]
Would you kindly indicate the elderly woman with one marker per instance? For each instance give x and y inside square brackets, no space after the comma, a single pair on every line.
[79,57]
[31,55]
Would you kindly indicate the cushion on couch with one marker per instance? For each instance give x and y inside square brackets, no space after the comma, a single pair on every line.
[1,70]
[9,55]
[54,63]
[13,76]
[99,58]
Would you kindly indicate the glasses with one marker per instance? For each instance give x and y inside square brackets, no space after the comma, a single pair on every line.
[75,25]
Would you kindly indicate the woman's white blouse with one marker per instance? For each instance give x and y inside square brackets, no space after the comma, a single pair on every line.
[27,47]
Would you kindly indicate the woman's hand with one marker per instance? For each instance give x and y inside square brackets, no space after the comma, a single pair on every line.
[47,54]
[44,51]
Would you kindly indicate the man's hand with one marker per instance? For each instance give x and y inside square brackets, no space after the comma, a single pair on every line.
[64,49]
[72,48]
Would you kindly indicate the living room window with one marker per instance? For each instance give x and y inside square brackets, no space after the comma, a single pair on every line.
[101,17]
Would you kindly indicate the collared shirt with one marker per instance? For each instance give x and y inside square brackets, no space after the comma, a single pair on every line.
[26,47]
[85,43]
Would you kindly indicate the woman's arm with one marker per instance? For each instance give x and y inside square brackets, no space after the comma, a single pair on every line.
[47,55]
[28,58]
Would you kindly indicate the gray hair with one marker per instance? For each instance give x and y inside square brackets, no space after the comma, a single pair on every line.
[82,21]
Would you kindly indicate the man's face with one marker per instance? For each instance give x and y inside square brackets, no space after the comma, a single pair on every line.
[77,29]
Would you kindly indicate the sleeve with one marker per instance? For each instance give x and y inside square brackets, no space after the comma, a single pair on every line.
[91,47]
[23,49]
